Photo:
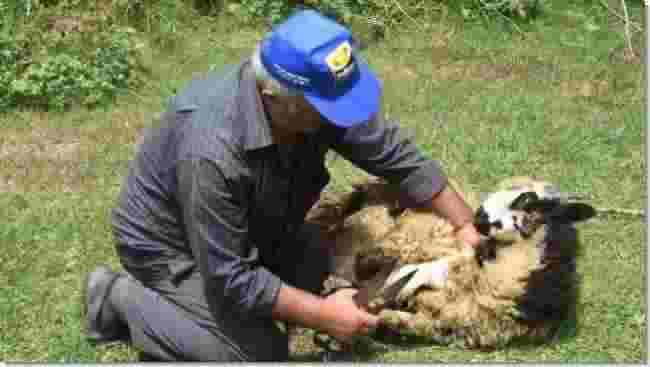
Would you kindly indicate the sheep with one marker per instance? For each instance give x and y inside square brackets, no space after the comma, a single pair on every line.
[520,285]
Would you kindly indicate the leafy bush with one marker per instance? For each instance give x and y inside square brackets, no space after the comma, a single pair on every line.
[4,16]
[63,79]
[8,69]
[274,11]
[251,11]
[54,83]
[383,13]
[517,9]
[160,19]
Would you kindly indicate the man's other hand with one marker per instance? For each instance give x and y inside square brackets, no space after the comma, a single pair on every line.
[344,318]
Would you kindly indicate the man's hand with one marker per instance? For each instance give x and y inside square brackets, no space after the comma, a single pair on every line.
[337,315]
[451,206]
[343,318]
[468,235]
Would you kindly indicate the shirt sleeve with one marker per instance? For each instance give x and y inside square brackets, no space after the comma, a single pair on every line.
[380,149]
[214,207]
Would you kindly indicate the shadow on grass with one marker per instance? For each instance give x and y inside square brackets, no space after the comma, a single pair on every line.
[304,357]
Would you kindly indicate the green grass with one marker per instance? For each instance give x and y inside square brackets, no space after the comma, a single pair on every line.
[558,103]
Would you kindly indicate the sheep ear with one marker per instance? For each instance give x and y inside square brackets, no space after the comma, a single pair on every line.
[574,212]
[541,205]
[524,200]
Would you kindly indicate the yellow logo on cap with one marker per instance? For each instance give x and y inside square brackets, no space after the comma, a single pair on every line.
[338,59]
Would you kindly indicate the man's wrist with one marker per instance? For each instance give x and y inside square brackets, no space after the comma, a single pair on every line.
[300,307]
[323,317]
[461,225]
[468,234]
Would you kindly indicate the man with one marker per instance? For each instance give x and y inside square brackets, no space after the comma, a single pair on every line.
[209,224]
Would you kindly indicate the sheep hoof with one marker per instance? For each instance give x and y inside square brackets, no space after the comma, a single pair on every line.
[395,320]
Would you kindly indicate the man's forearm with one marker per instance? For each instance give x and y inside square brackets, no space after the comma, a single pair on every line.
[451,206]
[337,315]
[299,307]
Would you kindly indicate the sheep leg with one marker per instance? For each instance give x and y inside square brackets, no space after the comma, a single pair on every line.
[413,324]
[396,321]
[404,322]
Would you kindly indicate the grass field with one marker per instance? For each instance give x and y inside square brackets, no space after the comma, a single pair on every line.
[558,102]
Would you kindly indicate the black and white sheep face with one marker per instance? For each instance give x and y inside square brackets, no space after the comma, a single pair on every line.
[515,215]
[508,216]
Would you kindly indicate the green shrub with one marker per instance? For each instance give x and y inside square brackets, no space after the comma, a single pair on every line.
[516,9]
[63,79]
[253,11]
[274,11]
[54,83]
[160,19]
[8,69]
[113,64]
[383,13]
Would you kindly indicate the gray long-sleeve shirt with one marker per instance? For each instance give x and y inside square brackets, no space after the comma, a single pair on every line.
[209,182]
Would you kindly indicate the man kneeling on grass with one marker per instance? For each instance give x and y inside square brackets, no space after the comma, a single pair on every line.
[209,224]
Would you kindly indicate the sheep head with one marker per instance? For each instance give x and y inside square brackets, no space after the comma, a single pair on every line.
[534,216]
[516,215]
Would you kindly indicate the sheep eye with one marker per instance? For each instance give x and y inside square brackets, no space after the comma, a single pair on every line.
[515,224]
[482,222]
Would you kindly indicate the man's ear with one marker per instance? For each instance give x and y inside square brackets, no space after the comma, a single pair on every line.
[265,89]
[266,92]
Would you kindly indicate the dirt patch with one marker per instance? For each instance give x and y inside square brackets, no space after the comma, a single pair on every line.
[583,88]
[440,40]
[464,70]
[54,151]
[42,160]
[65,24]
[399,72]
[68,158]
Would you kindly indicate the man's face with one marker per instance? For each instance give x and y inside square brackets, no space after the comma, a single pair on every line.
[293,114]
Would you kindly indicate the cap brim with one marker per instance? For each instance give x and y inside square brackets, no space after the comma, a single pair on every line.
[356,106]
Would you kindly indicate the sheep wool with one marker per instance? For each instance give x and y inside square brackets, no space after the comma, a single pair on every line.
[522,289]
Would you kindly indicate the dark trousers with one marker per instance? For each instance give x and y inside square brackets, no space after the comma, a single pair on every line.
[168,317]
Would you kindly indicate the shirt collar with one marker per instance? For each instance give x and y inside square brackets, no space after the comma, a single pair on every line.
[257,129]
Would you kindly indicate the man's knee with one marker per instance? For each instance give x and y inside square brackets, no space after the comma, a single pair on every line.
[170,325]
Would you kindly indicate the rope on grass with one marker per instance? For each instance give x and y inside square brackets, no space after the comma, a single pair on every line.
[623,211]
[621,17]
[608,211]
[628,38]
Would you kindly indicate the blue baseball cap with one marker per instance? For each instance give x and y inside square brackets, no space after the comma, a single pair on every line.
[316,56]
